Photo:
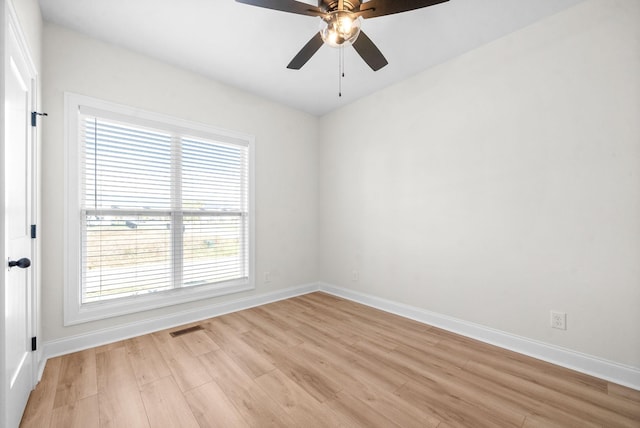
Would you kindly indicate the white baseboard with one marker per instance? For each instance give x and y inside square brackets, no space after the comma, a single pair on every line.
[603,369]
[80,342]
[608,370]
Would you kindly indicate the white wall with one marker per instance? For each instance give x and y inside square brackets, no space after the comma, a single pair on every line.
[501,185]
[286,160]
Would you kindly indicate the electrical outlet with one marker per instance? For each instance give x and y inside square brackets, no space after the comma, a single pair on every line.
[558,320]
[267,277]
[355,275]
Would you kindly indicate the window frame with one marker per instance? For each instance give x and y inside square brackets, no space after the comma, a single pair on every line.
[74,311]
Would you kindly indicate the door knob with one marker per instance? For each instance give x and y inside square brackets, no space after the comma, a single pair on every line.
[22,263]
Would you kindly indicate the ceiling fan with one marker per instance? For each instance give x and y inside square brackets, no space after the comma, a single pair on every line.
[340,24]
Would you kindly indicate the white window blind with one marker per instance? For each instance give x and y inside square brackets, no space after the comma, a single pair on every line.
[160,208]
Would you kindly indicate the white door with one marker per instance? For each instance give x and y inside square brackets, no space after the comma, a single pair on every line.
[19,286]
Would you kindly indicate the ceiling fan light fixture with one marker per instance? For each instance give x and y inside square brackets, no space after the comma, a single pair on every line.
[340,28]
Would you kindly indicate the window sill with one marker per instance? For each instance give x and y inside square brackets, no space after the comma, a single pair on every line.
[78,314]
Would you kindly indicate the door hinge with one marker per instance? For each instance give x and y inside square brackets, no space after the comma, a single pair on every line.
[33,231]
[34,343]
[34,115]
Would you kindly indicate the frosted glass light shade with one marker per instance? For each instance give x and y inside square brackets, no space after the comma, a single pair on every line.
[340,28]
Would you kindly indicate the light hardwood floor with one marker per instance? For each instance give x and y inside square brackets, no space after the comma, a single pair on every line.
[318,361]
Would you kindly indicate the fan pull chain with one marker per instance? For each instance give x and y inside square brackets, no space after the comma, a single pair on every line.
[340,70]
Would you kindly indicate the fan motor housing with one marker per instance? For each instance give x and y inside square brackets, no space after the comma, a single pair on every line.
[332,5]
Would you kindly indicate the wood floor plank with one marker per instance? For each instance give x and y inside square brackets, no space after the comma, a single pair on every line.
[199,343]
[373,386]
[187,370]
[84,413]
[494,390]
[388,327]
[266,347]
[359,414]
[596,412]
[362,330]
[146,360]
[302,407]
[319,328]
[619,391]
[347,367]
[315,321]
[439,400]
[272,318]
[510,393]
[235,322]
[252,363]
[381,318]
[261,321]
[40,406]
[312,356]
[299,304]
[77,378]
[446,389]
[119,398]
[359,364]
[531,382]
[376,389]
[166,406]
[255,406]
[423,351]
[433,372]
[552,418]
[212,408]
[289,362]
[318,361]
[398,410]
[224,370]
[283,313]
[514,362]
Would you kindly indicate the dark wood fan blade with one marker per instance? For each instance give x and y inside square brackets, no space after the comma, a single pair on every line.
[306,52]
[369,52]
[291,6]
[374,8]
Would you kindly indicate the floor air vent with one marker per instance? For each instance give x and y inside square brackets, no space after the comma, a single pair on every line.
[185,331]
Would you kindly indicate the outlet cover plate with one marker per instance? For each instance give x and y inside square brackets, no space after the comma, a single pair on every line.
[559,320]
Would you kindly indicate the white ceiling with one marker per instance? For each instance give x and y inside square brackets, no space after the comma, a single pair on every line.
[249,47]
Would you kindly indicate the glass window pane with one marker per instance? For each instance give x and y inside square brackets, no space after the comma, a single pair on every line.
[213,250]
[125,256]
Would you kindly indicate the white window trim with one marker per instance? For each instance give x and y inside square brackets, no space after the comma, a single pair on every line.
[74,311]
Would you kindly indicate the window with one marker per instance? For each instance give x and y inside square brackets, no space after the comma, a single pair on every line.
[159,210]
